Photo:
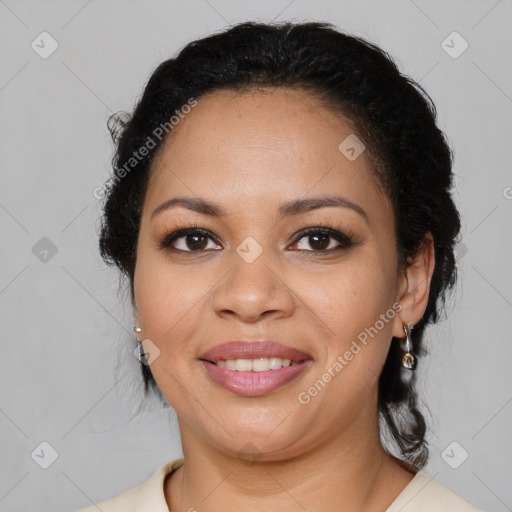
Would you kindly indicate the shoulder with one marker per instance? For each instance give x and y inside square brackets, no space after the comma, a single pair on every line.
[426,494]
[149,495]
[124,501]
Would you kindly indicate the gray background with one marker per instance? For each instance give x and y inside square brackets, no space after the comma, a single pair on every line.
[68,376]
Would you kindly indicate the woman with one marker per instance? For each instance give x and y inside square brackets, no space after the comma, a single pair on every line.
[281,207]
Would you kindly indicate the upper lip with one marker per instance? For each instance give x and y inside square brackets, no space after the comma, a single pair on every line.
[253,350]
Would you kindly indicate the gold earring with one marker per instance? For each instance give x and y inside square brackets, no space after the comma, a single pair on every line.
[409,361]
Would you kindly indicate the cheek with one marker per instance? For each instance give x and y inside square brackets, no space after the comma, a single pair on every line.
[354,296]
[358,308]
[168,303]
[168,300]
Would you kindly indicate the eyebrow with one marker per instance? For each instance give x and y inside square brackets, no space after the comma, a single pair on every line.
[291,208]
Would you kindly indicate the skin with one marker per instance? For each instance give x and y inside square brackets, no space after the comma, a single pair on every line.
[250,153]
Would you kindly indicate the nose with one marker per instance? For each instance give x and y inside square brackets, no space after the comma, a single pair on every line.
[253,292]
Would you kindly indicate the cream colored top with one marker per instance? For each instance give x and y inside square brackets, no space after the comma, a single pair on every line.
[422,494]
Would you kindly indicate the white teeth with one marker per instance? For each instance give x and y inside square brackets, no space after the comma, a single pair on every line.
[231,364]
[261,364]
[275,363]
[244,365]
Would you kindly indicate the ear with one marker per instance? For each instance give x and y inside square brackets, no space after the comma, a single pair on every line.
[414,286]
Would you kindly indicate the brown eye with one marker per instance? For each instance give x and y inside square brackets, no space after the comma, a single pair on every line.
[187,240]
[324,240]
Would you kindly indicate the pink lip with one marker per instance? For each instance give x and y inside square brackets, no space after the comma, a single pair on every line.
[254,383]
[253,350]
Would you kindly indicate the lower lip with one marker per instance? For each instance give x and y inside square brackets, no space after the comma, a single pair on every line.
[254,383]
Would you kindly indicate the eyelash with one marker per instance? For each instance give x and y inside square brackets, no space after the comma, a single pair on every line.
[346,240]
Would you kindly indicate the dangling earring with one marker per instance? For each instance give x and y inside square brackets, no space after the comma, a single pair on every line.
[409,360]
[141,355]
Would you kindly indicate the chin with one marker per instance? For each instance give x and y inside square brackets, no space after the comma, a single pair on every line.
[261,433]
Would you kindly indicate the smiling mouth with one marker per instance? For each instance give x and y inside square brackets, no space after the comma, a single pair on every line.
[260,364]
[254,368]
[254,377]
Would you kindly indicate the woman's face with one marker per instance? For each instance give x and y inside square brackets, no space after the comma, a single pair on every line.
[251,275]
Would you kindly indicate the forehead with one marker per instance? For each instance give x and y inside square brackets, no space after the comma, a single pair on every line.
[255,145]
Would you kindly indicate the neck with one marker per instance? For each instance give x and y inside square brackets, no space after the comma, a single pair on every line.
[348,472]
